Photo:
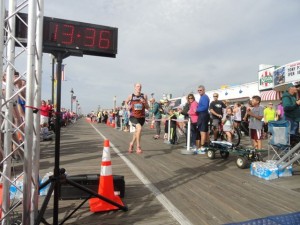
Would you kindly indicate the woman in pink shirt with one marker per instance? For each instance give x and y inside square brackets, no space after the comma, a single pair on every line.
[45,111]
[194,118]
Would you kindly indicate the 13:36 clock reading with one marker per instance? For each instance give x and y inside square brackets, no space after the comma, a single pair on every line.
[73,37]
[68,34]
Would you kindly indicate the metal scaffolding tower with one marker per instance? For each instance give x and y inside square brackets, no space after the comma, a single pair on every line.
[20,137]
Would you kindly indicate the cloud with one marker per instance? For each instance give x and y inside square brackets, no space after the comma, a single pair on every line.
[173,46]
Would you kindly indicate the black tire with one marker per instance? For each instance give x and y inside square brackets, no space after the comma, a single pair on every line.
[224,154]
[211,154]
[236,137]
[242,162]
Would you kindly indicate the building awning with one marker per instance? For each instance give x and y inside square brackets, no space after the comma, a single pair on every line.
[270,95]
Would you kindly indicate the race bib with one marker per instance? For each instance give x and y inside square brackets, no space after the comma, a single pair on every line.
[138,106]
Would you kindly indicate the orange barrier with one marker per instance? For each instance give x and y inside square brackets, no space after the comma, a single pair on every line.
[106,185]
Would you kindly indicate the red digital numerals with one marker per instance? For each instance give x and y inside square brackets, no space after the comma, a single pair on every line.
[80,36]
[96,38]
[67,34]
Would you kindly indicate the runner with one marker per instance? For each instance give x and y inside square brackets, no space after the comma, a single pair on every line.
[137,103]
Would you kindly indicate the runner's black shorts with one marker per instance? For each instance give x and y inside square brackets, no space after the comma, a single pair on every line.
[136,121]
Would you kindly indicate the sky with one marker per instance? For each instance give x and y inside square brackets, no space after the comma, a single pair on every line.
[173,46]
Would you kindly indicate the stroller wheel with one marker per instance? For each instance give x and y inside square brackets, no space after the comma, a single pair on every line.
[242,162]
[224,154]
[211,154]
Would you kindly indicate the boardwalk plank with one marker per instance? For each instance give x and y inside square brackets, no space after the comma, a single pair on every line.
[205,191]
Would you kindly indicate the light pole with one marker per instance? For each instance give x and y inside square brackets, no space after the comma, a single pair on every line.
[115,102]
[72,92]
[76,107]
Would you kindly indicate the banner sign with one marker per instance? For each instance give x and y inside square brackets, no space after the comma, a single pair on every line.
[286,74]
[265,78]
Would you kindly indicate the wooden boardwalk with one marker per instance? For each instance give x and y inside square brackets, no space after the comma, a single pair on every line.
[204,191]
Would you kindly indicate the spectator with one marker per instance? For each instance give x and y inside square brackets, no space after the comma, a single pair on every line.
[243,111]
[255,125]
[46,135]
[184,112]
[194,119]
[157,111]
[291,108]
[280,111]
[166,108]
[216,109]
[269,114]
[203,118]
[228,122]
[125,120]
[45,110]
[173,126]
[237,114]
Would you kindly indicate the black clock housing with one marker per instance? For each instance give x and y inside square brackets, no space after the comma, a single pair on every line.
[76,37]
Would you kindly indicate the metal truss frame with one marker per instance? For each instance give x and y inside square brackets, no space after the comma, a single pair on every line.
[20,138]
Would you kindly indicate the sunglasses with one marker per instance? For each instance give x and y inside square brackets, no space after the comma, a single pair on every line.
[200,90]
[215,96]
[191,98]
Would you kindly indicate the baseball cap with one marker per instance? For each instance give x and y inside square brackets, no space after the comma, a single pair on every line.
[293,84]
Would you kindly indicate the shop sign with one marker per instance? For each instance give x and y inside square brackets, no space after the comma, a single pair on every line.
[265,79]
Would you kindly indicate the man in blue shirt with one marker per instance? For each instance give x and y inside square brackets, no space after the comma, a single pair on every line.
[203,117]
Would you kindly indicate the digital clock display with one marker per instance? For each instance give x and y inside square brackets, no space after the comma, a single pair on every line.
[85,38]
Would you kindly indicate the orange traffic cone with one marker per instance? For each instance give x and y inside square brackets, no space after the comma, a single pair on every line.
[107,122]
[106,186]
[152,125]
[113,124]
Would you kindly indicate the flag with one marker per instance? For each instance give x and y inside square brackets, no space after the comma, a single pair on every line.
[63,77]
[55,89]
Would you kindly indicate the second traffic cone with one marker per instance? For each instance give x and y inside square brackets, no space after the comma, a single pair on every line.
[106,185]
